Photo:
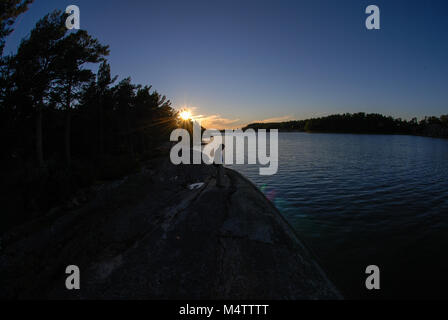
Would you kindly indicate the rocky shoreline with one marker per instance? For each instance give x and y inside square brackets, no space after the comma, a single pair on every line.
[149,236]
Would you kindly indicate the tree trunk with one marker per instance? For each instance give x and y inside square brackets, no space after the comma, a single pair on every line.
[101,129]
[68,156]
[129,134]
[67,137]
[39,149]
[219,176]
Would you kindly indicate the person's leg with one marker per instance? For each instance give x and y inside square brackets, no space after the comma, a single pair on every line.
[220,176]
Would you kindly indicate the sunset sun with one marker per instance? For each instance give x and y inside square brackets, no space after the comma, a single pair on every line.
[185,115]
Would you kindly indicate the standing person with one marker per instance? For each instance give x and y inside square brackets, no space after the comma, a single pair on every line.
[219,161]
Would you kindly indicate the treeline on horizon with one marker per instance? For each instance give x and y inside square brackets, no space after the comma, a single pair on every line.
[363,123]
[63,127]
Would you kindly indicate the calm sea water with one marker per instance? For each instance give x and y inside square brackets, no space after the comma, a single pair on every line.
[358,200]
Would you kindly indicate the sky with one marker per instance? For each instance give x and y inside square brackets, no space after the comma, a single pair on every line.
[234,62]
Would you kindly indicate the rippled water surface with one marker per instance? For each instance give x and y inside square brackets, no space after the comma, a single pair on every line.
[358,200]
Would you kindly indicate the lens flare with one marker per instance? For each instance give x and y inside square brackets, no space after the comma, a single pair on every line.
[185,115]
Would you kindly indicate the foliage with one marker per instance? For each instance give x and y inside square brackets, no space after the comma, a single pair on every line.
[9,11]
[364,123]
[62,127]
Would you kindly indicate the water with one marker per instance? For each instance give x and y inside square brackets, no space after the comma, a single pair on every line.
[359,200]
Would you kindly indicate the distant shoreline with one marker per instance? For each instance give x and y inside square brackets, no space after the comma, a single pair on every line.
[359,133]
[362,123]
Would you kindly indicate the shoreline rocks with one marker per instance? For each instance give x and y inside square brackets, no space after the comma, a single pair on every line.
[152,237]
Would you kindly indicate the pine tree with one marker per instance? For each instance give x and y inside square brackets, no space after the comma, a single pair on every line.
[35,67]
[9,11]
[75,51]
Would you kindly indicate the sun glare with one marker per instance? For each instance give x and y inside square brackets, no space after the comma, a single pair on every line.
[185,115]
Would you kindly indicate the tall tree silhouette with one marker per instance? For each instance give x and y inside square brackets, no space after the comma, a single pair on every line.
[35,67]
[42,84]
[124,98]
[103,82]
[154,117]
[75,51]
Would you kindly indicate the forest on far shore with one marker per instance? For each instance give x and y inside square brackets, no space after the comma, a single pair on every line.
[361,122]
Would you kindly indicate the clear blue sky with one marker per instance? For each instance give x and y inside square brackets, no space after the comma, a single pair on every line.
[247,60]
